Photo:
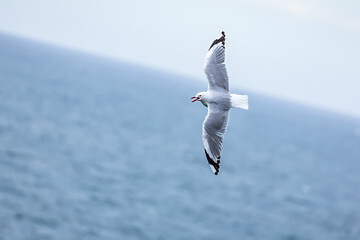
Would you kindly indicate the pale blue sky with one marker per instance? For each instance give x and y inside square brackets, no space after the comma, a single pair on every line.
[307,51]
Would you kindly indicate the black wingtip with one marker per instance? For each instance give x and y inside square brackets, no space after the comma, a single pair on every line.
[223,36]
[216,164]
[221,39]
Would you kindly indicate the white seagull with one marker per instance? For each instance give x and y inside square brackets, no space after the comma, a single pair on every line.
[219,101]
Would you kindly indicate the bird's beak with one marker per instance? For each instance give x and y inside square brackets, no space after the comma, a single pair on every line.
[194,99]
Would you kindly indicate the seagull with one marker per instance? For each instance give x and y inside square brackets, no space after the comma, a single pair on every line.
[218,100]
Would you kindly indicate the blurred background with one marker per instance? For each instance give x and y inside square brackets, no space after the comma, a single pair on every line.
[99,139]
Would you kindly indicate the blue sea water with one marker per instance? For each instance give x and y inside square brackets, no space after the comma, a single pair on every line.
[92,148]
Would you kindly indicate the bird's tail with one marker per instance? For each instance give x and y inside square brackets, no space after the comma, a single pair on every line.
[239,101]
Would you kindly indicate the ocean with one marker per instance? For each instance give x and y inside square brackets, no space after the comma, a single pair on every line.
[95,148]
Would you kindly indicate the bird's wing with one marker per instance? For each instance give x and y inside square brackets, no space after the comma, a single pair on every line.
[214,66]
[214,128]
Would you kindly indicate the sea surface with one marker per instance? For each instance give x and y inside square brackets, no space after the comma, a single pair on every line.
[93,148]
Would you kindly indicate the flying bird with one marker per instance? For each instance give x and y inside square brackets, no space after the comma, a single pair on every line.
[218,100]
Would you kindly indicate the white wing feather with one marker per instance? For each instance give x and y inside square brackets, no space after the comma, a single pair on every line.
[214,128]
[215,69]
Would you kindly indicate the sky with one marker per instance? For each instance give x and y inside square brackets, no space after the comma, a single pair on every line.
[303,51]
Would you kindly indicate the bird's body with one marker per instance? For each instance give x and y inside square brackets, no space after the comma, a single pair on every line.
[219,101]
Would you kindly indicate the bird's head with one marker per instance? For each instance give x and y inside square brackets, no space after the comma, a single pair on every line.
[199,96]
